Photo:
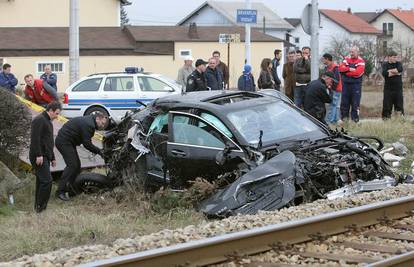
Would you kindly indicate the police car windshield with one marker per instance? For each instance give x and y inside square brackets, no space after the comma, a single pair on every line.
[168,79]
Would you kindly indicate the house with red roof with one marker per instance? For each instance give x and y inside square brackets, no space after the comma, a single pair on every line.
[396,26]
[342,25]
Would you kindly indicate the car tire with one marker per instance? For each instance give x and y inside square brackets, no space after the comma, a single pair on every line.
[140,171]
[90,182]
[93,110]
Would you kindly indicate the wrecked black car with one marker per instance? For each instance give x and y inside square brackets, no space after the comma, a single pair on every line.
[266,152]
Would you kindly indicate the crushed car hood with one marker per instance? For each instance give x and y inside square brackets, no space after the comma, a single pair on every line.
[269,186]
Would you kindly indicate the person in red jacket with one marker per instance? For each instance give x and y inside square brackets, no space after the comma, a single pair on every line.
[352,70]
[332,116]
[38,91]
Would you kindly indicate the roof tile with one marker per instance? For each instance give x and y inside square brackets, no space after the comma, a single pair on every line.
[349,21]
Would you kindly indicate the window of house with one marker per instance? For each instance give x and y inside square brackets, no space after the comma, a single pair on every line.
[185,52]
[387,28]
[88,85]
[297,40]
[119,84]
[152,84]
[57,67]
[390,28]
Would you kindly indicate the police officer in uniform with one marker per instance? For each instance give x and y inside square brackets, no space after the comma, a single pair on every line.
[197,81]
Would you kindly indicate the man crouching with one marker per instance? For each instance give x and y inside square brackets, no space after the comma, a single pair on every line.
[77,131]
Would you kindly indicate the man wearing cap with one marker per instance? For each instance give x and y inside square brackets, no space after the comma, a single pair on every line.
[317,94]
[197,81]
[185,71]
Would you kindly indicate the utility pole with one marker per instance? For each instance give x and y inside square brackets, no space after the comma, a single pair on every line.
[264,24]
[247,35]
[74,41]
[315,40]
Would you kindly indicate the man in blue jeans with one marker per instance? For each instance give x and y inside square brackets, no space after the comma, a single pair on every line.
[332,116]
[302,70]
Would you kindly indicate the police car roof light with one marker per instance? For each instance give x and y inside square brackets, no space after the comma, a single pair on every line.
[133,70]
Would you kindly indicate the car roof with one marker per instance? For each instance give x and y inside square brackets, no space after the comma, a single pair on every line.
[223,101]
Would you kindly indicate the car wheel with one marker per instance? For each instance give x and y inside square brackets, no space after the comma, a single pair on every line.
[92,110]
[90,182]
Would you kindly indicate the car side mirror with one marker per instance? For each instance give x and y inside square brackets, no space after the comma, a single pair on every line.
[223,155]
[169,89]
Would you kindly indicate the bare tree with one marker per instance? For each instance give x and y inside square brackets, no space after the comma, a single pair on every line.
[124,16]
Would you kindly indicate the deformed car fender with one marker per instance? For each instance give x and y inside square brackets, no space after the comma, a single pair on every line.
[269,186]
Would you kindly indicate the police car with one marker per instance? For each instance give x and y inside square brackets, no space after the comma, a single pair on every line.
[114,94]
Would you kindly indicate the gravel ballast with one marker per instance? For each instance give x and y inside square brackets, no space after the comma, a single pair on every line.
[71,257]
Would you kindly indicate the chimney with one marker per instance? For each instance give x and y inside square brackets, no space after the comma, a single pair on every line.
[192,31]
[349,10]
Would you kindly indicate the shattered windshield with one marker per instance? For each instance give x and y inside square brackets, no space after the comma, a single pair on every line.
[276,120]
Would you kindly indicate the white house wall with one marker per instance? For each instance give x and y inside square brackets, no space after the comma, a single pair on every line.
[401,33]
[207,16]
[304,38]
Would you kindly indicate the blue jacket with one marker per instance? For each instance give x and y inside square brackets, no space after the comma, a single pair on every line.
[214,79]
[51,80]
[246,84]
[8,81]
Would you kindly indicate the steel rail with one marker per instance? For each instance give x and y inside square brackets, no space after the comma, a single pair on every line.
[258,240]
[403,260]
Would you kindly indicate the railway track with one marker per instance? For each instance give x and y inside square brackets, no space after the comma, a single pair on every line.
[387,220]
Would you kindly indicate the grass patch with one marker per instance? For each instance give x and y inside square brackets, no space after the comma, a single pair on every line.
[389,131]
[87,219]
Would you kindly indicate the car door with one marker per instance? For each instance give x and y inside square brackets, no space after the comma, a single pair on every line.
[152,88]
[193,145]
[120,95]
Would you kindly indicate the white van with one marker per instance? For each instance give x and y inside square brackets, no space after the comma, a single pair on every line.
[114,94]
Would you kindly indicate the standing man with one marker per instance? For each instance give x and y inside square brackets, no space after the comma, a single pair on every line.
[352,70]
[77,131]
[185,71]
[275,65]
[302,70]
[38,91]
[393,86]
[41,153]
[317,94]
[288,75]
[223,68]
[214,76]
[298,54]
[49,77]
[332,116]
[7,79]
[197,80]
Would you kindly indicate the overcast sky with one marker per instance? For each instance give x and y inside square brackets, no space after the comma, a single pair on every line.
[171,11]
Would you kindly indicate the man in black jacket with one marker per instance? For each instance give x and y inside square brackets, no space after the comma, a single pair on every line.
[393,87]
[317,94]
[77,131]
[41,153]
[214,76]
[197,80]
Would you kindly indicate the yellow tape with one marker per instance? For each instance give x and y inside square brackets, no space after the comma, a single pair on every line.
[61,119]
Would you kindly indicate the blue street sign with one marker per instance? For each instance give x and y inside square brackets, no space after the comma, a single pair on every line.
[246,16]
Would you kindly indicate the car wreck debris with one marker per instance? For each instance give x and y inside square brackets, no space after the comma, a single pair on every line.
[261,151]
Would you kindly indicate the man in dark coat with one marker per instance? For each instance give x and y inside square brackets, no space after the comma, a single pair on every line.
[77,131]
[317,94]
[41,153]
[275,65]
[197,80]
[214,76]
[393,86]
[288,75]
[223,68]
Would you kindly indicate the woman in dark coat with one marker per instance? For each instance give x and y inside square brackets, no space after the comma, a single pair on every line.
[246,80]
[265,80]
